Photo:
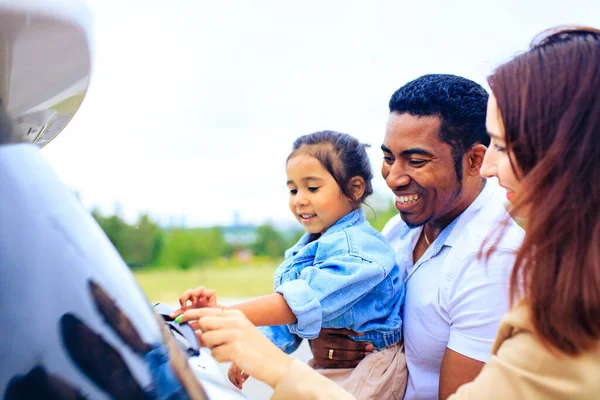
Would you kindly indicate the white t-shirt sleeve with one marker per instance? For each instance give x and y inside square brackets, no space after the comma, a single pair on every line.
[475,297]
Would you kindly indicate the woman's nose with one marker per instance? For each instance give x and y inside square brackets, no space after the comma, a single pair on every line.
[488,166]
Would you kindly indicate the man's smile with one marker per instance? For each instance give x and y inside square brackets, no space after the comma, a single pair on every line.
[406,202]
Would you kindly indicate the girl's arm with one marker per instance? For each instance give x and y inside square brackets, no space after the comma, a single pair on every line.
[258,357]
[269,310]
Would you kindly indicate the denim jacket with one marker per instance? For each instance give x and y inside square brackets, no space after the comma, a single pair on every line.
[347,278]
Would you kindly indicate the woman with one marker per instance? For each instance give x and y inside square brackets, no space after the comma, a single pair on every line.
[544,121]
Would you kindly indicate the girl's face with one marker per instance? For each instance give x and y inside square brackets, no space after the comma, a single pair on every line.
[316,199]
[497,162]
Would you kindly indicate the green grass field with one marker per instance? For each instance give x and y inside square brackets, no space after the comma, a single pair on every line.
[166,285]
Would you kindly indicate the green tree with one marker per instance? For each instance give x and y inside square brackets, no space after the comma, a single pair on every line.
[211,243]
[116,229]
[269,242]
[187,247]
[181,249]
[139,245]
[145,241]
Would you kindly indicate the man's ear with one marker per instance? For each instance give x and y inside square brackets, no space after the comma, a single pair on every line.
[475,157]
[357,187]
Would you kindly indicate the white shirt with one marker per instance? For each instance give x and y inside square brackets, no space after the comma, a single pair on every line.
[454,298]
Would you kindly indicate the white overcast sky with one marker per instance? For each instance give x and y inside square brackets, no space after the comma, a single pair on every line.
[194,105]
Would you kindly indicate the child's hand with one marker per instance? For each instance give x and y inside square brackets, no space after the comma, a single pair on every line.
[199,297]
[237,376]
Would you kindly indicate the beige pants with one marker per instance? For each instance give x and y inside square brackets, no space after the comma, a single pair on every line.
[380,375]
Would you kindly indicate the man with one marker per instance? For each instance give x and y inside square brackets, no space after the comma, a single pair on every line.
[455,268]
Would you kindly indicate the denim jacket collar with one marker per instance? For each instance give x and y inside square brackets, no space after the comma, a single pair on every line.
[354,217]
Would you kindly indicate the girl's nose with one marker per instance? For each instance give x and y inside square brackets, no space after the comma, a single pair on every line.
[300,200]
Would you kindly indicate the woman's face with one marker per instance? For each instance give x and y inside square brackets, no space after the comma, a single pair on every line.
[497,161]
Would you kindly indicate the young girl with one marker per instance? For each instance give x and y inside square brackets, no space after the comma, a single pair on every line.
[340,274]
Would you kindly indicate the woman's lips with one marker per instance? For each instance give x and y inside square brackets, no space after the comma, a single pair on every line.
[509,193]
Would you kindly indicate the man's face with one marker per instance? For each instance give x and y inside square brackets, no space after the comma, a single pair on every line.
[418,167]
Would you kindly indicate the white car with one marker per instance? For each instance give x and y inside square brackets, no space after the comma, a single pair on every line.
[74,323]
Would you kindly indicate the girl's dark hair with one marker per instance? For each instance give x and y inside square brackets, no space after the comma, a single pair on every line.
[342,155]
[549,99]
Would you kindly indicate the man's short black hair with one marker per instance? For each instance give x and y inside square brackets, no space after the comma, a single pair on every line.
[459,103]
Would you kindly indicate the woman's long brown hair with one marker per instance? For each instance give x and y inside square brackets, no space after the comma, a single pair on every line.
[549,99]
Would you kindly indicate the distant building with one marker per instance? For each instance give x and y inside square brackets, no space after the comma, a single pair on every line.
[243,255]
[240,235]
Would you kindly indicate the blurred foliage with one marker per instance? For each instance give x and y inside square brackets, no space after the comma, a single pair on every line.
[146,244]
[139,244]
[269,242]
[379,217]
[187,247]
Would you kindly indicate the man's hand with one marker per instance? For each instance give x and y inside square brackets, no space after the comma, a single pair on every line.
[334,349]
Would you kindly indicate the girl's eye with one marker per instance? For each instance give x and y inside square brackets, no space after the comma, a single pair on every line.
[500,149]
[417,163]
[293,191]
[313,189]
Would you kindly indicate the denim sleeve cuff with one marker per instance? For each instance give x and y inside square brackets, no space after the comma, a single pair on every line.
[281,337]
[304,302]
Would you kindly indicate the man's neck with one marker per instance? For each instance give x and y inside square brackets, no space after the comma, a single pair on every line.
[434,228]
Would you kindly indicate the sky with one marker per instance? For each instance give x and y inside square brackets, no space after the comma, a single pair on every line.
[193,105]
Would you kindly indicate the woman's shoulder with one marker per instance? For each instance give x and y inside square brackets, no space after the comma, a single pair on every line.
[516,320]
[518,347]
[522,367]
